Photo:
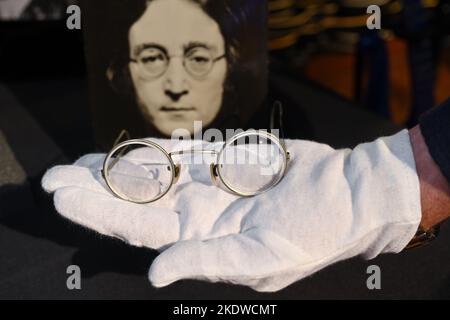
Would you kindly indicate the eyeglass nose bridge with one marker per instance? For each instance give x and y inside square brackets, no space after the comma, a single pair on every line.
[170,64]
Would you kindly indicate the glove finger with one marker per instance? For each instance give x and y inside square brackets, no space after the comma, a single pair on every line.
[251,258]
[136,224]
[71,175]
[93,161]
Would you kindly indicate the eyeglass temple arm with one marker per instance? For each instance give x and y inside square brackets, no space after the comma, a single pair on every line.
[276,120]
[219,57]
[123,134]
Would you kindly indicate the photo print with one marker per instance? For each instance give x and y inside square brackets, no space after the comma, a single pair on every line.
[156,66]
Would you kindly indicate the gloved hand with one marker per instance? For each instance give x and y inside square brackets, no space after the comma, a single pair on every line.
[330,206]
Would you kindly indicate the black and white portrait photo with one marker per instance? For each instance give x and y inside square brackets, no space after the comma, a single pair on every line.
[156,66]
[36,10]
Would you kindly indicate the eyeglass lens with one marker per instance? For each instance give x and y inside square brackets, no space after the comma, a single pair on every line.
[139,172]
[251,164]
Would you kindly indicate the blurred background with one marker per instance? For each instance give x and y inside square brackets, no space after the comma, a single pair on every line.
[342,84]
[398,71]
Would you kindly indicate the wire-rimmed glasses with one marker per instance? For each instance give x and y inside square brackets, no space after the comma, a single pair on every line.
[153,61]
[249,163]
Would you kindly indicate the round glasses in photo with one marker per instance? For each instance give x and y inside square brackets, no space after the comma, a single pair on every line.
[153,61]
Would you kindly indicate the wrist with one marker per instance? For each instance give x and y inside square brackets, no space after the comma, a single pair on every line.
[434,188]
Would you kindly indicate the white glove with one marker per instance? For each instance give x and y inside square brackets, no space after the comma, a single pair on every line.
[330,206]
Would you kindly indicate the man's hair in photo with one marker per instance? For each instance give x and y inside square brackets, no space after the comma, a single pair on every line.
[239,22]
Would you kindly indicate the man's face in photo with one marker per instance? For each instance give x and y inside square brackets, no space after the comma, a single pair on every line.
[177,65]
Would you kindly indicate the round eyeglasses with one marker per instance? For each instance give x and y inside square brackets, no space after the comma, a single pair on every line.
[153,62]
[248,164]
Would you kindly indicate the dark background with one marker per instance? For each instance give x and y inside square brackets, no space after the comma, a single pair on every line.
[46,119]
